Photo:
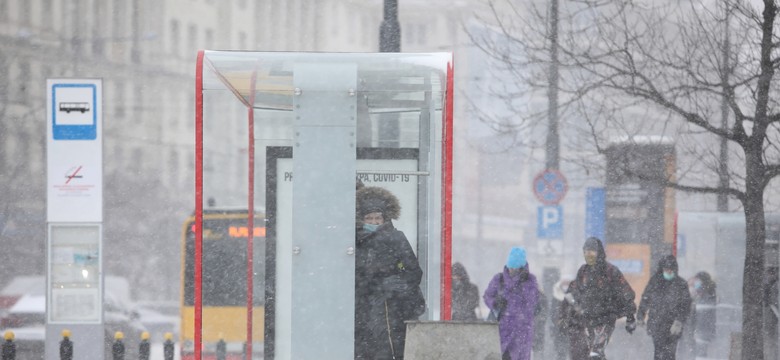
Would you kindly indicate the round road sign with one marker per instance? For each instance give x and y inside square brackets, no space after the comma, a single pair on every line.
[550,186]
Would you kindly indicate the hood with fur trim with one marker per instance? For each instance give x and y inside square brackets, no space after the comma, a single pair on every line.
[376,199]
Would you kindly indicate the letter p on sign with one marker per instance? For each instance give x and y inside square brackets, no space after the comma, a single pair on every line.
[549,222]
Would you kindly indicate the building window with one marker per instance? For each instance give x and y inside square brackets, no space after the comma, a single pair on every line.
[138,103]
[4,9]
[173,168]
[4,78]
[190,111]
[137,160]
[192,39]
[22,81]
[422,34]
[174,37]
[119,100]
[46,16]
[242,40]
[209,39]
[25,12]
[98,40]
[120,14]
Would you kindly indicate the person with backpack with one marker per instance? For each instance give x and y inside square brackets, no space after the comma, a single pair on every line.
[600,295]
[512,297]
[666,302]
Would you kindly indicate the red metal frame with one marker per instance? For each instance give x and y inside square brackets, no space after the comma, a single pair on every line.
[250,218]
[446,221]
[198,204]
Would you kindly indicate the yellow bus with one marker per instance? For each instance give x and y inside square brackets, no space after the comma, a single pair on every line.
[224,284]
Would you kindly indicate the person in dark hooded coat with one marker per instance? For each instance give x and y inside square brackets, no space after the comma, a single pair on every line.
[666,302]
[387,278]
[600,295]
[465,295]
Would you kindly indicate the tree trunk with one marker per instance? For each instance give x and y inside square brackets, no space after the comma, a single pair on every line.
[752,286]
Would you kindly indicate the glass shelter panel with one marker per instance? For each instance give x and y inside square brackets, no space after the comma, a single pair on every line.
[309,129]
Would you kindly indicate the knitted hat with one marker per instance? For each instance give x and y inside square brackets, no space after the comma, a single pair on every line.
[516,258]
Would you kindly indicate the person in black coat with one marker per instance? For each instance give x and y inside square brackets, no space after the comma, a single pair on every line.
[387,278]
[465,295]
[600,295]
[666,302]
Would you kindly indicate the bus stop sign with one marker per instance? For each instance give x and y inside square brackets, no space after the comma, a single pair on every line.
[550,186]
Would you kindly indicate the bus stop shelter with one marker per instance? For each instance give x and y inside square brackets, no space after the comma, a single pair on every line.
[290,135]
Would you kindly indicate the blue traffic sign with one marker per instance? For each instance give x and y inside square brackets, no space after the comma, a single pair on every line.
[549,222]
[550,186]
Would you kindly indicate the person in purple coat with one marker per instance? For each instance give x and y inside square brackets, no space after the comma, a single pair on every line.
[512,296]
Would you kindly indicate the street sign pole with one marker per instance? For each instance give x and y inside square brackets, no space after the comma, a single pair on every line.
[74,215]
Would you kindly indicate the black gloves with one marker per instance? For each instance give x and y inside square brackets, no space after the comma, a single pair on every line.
[630,323]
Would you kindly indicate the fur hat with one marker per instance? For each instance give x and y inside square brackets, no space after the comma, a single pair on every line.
[376,199]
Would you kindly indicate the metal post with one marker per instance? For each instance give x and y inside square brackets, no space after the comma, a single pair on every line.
[168,347]
[118,348]
[66,346]
[390,30]
[552,148]
[389,41]
[9,347]
[144,346]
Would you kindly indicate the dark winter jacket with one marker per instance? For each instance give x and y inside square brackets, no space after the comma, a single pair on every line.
[664,301]
[602,292]
[465,295]
[387,276]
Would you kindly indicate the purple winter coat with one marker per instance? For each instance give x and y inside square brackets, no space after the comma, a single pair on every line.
[516,323]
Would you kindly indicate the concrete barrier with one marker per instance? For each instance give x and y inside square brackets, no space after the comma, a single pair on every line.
[452,340]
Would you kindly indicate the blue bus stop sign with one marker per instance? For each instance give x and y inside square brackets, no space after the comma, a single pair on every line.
[550,186]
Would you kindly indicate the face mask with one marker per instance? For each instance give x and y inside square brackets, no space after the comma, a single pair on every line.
[697,285]
[668,276]
[370,227]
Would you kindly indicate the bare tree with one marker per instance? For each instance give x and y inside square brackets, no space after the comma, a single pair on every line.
[636,67]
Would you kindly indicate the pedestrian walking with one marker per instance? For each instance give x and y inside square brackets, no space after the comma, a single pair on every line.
[567,328]
[465,295]
[704,296]
[512,297]
[387,278]
[600,295]
[541,312]
[666,303]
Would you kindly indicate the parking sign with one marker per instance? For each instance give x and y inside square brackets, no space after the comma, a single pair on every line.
[549,222]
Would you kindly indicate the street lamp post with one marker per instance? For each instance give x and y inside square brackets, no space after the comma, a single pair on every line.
[390,30]
[389,41]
